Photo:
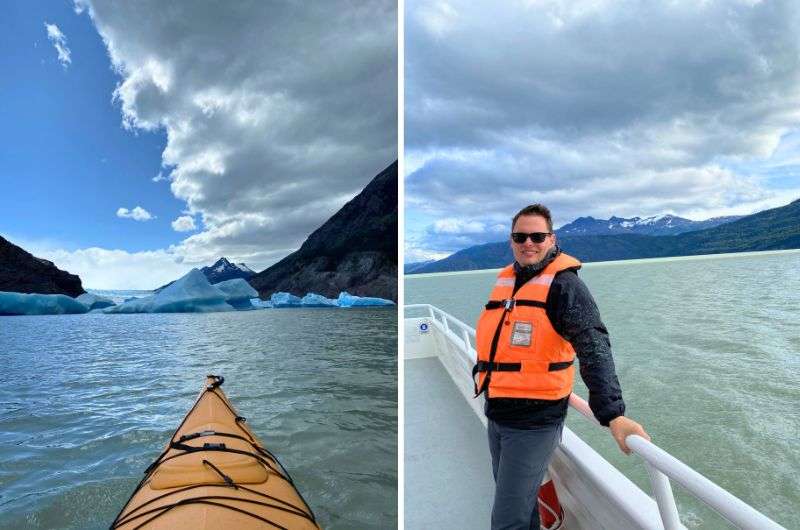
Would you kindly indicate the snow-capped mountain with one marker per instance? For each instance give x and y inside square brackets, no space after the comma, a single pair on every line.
[225,270]
[654,225]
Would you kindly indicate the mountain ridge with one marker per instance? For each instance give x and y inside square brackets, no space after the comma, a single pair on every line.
[354,251]
[22,272]
[665,224]
[772,229]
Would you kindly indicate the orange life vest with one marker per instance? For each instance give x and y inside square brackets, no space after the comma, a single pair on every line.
[520,354]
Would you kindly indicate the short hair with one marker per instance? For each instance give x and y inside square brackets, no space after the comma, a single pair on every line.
[535,209]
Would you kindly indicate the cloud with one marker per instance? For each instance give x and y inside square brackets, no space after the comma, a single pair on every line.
[137,214]
[276,114]
[184,223]
[58,39]
[597,108]
[101,268]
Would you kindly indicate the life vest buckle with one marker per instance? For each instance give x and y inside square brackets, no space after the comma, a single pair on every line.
[508,304]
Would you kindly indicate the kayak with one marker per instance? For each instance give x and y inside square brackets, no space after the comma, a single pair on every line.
[215,474]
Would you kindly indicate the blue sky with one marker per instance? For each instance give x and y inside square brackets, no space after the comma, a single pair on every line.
[595,107]
[143,138]
[67,161]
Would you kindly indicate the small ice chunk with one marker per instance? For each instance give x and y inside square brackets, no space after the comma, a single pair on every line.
[93,301]
[317,300]
[190,294]
[348,300]
[284,300]
[39,304]
[258,303]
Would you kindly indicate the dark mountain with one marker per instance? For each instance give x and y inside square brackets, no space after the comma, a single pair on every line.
[411,267]
[354,251]
[775,229]
[21,272]
[225,270]
[655,225]
[778,228]
[222,270]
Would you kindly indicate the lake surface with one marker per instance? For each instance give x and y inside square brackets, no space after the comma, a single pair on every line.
[707,351]
[87,402]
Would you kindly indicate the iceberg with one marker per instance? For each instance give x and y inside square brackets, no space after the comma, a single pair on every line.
[317,300]
[284,300]
[348,300]
[190,294]
[238,293]
[39,304]
[93,301]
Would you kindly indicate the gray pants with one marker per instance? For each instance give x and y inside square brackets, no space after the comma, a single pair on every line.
[519,460]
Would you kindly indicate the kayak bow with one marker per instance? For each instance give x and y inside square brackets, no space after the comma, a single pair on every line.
[215,474]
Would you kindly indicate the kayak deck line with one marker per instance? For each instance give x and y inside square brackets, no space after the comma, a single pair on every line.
[222,479]
[594,494]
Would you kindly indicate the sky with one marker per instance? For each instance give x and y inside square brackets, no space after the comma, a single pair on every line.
[141,139]
[595,107]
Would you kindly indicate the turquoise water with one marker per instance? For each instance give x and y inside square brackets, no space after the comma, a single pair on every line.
[88,401]
[708,354]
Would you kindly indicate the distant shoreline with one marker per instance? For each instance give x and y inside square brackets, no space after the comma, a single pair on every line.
[593,264]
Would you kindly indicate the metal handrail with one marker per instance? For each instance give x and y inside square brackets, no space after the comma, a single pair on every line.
[661,466]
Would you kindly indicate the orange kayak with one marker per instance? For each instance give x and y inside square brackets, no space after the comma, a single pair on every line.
[215,474]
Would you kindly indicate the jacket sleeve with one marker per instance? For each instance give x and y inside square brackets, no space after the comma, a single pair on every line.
[574,315]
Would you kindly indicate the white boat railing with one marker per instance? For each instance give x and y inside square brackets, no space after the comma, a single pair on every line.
[661,466]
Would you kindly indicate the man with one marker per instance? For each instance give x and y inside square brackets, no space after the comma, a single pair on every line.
[540,316]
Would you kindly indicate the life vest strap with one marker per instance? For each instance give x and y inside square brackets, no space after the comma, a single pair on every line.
[486,366]
[509,303]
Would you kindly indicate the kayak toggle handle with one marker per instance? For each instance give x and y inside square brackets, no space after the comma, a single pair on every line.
[218,380]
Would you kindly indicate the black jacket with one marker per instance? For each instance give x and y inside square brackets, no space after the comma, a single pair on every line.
[574,315]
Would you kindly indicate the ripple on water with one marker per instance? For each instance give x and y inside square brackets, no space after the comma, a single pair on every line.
[94,400]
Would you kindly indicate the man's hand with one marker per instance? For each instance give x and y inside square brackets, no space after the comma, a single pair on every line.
[621,427]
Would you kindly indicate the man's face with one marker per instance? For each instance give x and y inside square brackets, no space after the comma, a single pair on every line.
[528,253]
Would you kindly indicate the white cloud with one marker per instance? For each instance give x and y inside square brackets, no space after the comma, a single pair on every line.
[457,226]
[58,39]
[598,108]
[184,223]
[101,268]
[137,214]
[276,114]
[160,177]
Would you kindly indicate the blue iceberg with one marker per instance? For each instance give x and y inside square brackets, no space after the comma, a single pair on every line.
[284,300]
[190,294]
[348,300]
[238,293]
[39,304]
[317,300]
[93,301]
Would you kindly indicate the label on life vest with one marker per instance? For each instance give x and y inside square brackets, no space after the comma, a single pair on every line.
[521,334]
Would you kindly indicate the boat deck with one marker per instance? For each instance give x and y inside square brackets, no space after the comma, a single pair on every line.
[448,479]
[446,486]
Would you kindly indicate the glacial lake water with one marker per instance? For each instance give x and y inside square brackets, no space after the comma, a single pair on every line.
[87,402]
[707,350]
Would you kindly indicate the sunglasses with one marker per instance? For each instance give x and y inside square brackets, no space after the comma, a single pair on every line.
[536,237]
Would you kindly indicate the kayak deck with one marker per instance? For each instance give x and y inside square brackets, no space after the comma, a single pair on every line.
[214,474]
